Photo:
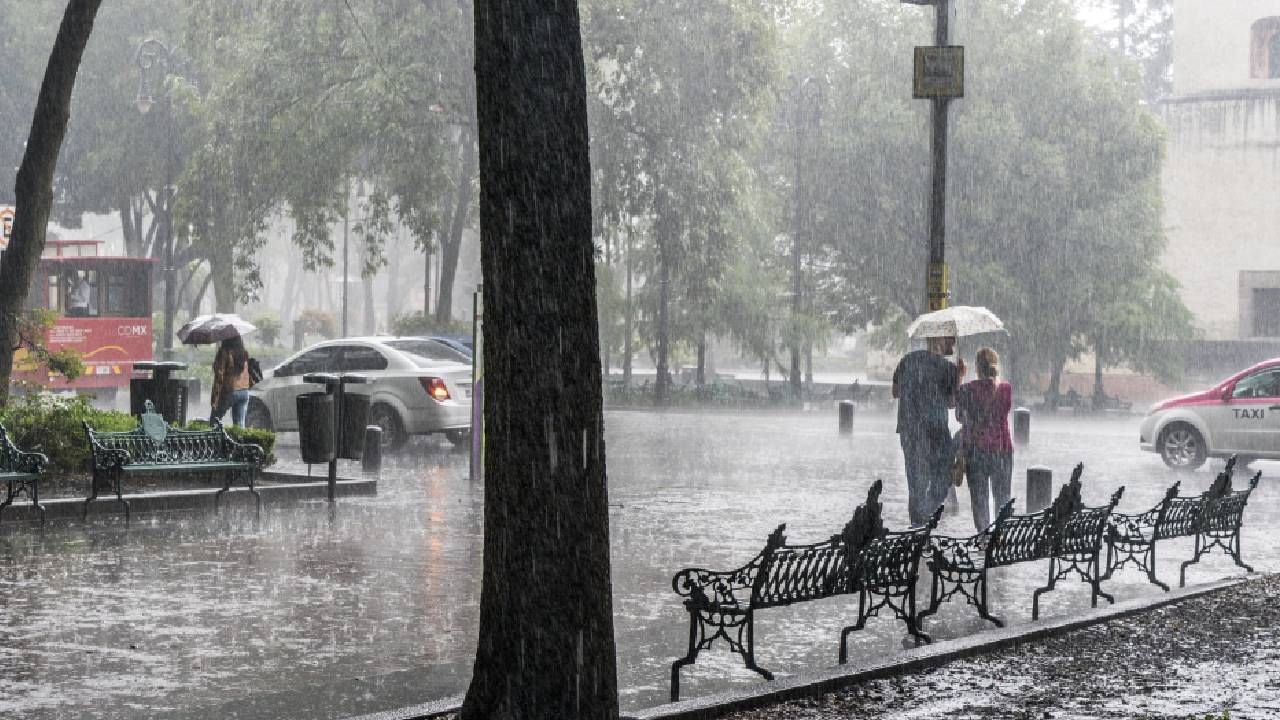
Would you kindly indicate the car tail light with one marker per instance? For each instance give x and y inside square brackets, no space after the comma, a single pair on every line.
[435,387]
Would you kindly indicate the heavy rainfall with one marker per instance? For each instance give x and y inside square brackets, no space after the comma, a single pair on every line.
[639,358]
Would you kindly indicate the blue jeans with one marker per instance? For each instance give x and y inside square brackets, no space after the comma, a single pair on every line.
[993,471]
[237,402]
[928,457]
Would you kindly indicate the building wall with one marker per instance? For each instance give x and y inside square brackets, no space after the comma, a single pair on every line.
[1221,177]
[1212,42]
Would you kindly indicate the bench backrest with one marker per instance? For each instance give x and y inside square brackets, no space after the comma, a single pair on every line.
[1224,513]
[12,459]
[793,573]
[178,446]
[892,559]
[1082,533]
[1020,538]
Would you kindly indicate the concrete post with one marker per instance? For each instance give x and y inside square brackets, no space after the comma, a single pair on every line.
[846,417]
[1039,488]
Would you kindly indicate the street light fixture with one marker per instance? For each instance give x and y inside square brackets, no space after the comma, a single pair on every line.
[155,59]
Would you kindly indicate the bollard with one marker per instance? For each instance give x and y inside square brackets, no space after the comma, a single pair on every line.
[846,417]
[371,462]
[1039,488]
[1022,426]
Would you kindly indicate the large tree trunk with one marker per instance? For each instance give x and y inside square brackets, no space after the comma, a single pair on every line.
[453,243]
[627,349]
[546,647]
[665,231]
[33,187]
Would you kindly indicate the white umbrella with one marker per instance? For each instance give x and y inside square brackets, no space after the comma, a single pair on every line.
[955,322]
[210,329]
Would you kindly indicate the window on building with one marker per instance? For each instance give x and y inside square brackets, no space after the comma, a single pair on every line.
[1266,312]
[1264,59]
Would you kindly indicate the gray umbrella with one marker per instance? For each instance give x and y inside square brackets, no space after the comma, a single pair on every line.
[210,329]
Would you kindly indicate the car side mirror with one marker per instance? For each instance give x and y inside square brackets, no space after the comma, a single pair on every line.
[283,371]
[1226,393]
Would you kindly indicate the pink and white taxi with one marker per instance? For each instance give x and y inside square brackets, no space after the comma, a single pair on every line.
[1238,416]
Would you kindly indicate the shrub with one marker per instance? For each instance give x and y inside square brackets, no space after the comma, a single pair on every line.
[52,425]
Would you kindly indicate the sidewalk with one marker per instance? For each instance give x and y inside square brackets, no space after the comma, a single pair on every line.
[1189,659]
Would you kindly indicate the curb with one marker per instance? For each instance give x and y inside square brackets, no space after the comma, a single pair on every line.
[289,487]
[817,682]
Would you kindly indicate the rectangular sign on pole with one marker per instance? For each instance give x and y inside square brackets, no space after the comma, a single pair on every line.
[6,226]
[939,72]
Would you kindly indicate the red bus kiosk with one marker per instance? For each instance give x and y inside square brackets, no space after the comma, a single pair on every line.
[104,313]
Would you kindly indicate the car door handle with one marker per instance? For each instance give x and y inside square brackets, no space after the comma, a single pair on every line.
[1274,407]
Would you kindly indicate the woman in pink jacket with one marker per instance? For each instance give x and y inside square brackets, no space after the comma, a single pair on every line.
[982,406]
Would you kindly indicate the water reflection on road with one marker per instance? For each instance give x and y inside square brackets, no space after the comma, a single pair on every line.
[317,611]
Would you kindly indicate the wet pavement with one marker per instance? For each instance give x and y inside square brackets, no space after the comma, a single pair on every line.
[315,611]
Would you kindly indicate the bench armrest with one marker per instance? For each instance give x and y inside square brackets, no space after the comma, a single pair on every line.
[243,452]
[957,553]
[27,462]
[705,587]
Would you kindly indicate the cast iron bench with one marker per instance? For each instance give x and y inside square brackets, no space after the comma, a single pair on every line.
[1131,539]
[864,558]
[155,448]
[21,472]
[1062,533]
[1219,522]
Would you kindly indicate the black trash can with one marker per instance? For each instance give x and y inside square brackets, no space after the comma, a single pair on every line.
[355,416]
[315,427]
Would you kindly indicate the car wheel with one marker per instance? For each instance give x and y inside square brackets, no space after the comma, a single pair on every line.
[1182,447]
[458,438]
[393,434]
[257,416]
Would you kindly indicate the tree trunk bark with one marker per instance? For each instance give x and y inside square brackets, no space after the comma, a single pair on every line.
[627,349]
[370,317]
[453,244]
[546,647]
[665,230]
[1052,394]
[33,187]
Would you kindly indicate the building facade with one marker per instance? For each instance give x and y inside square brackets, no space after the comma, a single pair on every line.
[1221,180]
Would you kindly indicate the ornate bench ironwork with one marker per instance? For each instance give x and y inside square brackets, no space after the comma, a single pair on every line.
[959,565]
[1077,548]
[155,448]
[20,471]
[1219,522]
[863,558]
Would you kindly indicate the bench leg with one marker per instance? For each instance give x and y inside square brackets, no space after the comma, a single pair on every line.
[8,500]
[1151,568]
[120,496]
[1053,580]
[1195,558]
[750,655]
[1234,548]
[253,476]
[934,602]
[1094,584]
[861,623]
[983,610]
[909,617]
[688,659]
[35,498]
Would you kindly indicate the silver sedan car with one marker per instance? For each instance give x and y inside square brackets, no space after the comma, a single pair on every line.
[416,387]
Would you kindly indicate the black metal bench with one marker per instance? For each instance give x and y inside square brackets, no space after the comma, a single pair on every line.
[1066,533]
[864,558]
[21,472]
[155,448]
[1131,538]
[1219,522]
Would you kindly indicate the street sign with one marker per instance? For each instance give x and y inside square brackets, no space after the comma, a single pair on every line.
[6,226]
[939,72]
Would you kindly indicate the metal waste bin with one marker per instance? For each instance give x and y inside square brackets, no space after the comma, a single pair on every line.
[315,427]
[355,416]
[167,393]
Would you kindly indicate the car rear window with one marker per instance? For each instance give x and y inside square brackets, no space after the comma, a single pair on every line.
[425,353]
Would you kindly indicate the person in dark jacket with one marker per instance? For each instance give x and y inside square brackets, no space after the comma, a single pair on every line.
[924,384]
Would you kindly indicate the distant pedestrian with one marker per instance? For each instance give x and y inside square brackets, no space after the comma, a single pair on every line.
[230,382]
[982,406]
[924,384]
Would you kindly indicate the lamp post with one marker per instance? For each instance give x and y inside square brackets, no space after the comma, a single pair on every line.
[154,60]
[807,95]
[939,77]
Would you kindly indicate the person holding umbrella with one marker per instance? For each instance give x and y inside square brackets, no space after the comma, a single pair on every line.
[230,382]
[924,384]
[230,366]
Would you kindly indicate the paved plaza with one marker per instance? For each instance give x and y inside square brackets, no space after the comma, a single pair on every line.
[315,611]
